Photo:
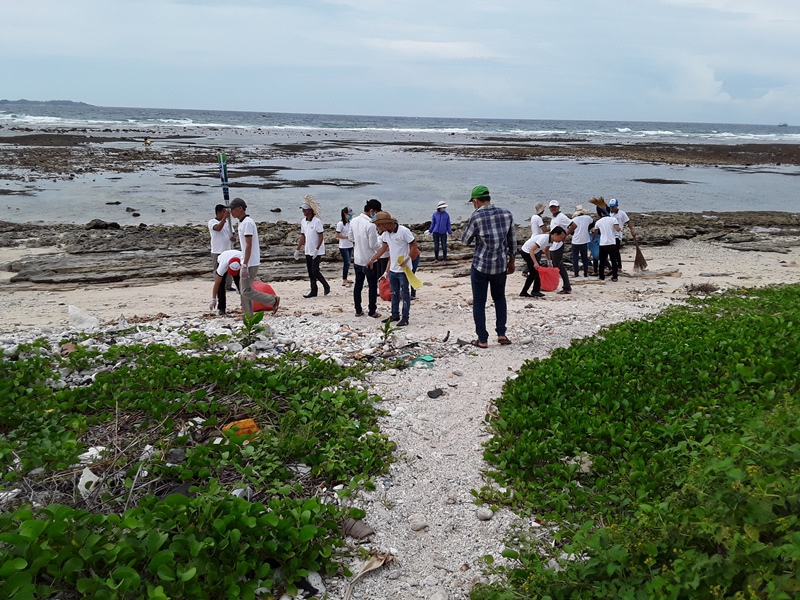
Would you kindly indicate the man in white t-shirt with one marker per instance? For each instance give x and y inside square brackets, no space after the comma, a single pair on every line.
[399,242]
[228,266]
[364,236]
[312,241]
[559,219]
[580,230]
[251,259]
[608,228]
[622,219]
[219,228]
[531,252]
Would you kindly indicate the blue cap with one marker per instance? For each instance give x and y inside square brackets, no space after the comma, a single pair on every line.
[613,202]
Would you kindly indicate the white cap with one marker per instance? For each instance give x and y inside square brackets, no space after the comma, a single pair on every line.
[554,203]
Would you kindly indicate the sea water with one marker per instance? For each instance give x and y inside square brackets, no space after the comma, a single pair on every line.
[370,157]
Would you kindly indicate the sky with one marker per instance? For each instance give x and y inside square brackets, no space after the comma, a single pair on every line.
[723,61]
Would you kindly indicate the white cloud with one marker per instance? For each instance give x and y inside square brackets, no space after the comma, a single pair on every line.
[617,59]
[417,49]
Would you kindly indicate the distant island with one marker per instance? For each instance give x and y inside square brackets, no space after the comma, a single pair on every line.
[46,102]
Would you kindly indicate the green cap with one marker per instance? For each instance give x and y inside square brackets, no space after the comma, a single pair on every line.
[481,192]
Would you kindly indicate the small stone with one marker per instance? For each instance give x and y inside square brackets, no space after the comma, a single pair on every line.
[417,522]
[440,595]
[430,581]
[176,456]
[484,514]
[435,393]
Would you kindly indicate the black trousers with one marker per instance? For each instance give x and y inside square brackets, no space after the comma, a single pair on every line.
[312,264]
[533,274]
[609,253]
[556,256]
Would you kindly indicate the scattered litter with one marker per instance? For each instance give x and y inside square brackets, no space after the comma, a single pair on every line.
[9,496]
[242,428]
[92,455]
[356,528]
[376,562]
[87,482]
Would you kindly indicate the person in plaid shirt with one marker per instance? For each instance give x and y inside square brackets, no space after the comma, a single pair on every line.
[492,230]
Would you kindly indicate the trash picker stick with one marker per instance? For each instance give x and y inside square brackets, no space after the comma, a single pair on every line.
[222,158]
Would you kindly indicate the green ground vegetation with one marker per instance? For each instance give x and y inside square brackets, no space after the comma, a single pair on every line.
[690,425]
[131,537]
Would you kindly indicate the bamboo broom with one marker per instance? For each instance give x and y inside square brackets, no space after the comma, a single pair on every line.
[639,263]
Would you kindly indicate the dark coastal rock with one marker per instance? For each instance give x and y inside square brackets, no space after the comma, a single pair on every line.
[101,252]
[100,224]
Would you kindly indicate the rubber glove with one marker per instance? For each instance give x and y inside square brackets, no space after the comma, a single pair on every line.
[297,254]
[213,304]
[244,272]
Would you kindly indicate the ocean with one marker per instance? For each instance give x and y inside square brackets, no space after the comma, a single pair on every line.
[355,158]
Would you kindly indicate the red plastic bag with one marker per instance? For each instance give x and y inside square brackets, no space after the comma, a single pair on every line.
[385,289]
[549,277]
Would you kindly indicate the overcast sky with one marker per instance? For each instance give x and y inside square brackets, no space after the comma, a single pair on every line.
[734,61]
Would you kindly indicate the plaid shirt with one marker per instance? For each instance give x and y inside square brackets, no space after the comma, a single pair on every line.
[495,238]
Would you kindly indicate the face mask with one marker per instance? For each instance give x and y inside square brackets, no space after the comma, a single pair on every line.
[373,217]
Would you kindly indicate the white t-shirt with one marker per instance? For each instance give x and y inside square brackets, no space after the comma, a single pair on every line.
[220,240]
[560,220]
[225,260]
[607,225]
[399,243]
[581,233]
[312,230]
[621,217]
[344,229]
[536,225]
[247,228]
[364,235]
[542,241]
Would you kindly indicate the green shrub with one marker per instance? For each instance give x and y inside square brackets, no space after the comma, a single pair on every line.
[690,424]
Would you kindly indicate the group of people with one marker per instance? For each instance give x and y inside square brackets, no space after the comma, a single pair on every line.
[379,247]
[241,265]
[601,237]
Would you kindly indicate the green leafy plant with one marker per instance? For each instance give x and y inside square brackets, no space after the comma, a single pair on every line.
[387,331]
[213,545]
[252,328]
[635,444]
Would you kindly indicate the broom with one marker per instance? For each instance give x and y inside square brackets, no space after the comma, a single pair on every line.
[599,202]
[639,263]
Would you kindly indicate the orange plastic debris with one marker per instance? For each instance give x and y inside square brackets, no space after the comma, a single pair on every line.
[243,427]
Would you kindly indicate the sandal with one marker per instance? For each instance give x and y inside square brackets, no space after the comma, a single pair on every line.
[479,344]
[275,306]
[503,340]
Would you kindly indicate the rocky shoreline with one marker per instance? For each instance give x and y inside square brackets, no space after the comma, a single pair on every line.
[103,252]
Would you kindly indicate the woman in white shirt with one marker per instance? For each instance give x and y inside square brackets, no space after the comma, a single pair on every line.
[345,245]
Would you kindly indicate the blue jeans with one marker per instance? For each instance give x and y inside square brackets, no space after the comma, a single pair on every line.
[399,285]
[481,285]
[439,239]
[347,258]
[371,275]
[581,250]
